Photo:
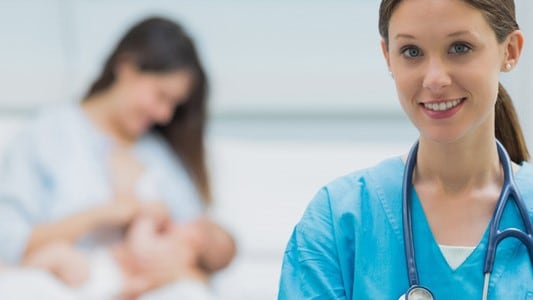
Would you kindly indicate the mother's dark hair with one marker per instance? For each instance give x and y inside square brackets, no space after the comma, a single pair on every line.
[159,45]
[500,15]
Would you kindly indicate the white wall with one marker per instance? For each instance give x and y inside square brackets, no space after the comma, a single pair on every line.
[264,57]
[522,77]
[33,57]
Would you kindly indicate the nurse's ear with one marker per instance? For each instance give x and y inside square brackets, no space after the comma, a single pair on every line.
[512,47]
[385,50]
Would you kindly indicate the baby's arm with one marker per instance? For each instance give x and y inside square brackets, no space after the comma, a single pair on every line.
[62,260]
[140,237]
[144,232]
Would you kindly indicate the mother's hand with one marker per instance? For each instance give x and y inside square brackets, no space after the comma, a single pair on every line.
[118,213]
[165,259]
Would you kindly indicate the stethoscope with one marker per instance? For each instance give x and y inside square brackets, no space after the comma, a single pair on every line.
[509,190]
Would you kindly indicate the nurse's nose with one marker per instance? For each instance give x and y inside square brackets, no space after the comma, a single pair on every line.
[436,76]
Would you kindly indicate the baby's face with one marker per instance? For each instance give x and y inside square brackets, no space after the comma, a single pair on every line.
[174,243]
[174,237]
[200,240]
[145,237]
[191,233]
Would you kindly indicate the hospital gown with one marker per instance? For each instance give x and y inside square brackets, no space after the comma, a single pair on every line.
[349,245]
[58,166]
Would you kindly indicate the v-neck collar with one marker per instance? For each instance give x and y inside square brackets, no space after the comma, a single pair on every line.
[428,250]
[422,228]
[426,247]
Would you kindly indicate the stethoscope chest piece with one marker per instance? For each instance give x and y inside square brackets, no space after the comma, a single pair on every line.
[417,292]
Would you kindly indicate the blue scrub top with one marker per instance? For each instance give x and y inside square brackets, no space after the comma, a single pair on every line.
[349,245]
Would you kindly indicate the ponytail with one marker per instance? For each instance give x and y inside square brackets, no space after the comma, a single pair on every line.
[507,128]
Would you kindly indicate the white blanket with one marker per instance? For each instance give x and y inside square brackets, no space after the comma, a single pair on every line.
[104,284]
[26,284]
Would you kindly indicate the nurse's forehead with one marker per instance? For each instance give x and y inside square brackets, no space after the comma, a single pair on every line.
[443,18]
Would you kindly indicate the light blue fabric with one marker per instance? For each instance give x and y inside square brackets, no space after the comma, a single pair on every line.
[349,245]
[57,166]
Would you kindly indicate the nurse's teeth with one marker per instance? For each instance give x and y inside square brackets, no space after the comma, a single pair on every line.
[442,105]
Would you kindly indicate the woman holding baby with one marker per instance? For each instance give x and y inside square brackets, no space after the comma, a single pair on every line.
[132,153]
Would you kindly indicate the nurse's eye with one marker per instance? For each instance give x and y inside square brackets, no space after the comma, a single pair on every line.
[459,48]
[411,51]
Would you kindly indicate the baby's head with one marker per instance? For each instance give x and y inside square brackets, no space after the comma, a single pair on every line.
[216,248]
[211,247]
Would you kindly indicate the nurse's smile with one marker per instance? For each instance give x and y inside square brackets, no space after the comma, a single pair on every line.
[442,108]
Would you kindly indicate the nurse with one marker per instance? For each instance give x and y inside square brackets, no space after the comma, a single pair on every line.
[445,57]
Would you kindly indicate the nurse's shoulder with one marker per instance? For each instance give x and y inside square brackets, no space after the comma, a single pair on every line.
[320,255]
[362,191]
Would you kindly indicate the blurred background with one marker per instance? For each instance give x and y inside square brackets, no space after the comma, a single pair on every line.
[299,96]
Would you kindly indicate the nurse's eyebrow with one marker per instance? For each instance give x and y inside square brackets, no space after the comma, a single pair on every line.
[404,35]
[461,32]
[453,34]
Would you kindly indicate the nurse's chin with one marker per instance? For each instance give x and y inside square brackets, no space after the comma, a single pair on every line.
[443,136]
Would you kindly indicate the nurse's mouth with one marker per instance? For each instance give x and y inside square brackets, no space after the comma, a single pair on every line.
[439,106]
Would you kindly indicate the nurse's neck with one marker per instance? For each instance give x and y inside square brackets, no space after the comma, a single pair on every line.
[459,166]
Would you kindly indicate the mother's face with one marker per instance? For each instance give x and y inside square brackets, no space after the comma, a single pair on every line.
[149,99]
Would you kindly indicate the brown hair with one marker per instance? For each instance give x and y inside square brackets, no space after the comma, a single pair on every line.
[159,45]
[500,14]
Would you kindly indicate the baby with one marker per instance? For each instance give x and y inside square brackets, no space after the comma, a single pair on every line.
[154,254]
[156,260]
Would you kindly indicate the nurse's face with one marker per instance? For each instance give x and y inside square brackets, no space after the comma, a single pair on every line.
[445,60]
[149,99]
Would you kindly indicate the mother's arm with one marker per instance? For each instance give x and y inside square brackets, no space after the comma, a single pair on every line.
[26,197]
[70,229]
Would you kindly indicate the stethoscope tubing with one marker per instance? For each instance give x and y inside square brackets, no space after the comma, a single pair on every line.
[509,190]
[409,245]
